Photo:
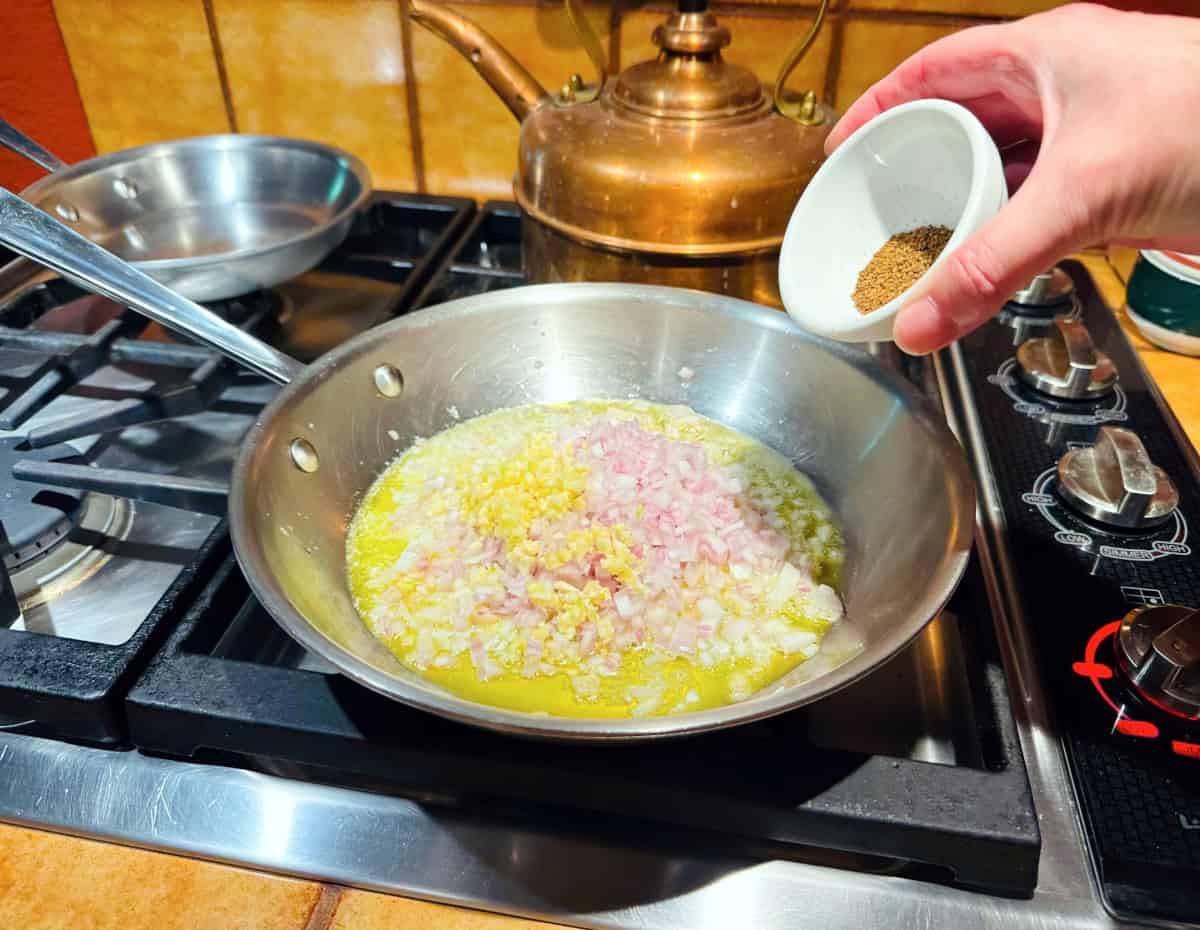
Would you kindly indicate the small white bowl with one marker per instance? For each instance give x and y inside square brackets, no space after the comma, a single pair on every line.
[929,162]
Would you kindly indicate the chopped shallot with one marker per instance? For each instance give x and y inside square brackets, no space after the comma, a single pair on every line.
[611,534]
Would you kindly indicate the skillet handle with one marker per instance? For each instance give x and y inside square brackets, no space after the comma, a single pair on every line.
[16,141]
[30,232]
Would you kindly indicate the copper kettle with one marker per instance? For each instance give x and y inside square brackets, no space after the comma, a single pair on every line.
[682,170]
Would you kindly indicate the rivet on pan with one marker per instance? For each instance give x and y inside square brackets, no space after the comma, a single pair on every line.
[388,381]
[304,456]
[125,188]
[67,212]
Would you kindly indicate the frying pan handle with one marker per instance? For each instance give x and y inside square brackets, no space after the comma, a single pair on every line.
[30,232]
[16,141]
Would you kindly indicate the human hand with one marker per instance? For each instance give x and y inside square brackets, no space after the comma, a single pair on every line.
[1097,116]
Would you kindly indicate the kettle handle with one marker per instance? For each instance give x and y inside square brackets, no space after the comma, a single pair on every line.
[587,36]
[805,110]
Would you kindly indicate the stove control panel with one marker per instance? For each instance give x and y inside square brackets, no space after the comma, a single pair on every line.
[1099,490]
[1114,482]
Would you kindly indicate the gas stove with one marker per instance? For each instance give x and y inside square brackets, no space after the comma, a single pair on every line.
[1030,759]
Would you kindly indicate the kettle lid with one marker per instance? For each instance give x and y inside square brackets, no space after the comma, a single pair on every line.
[689,79]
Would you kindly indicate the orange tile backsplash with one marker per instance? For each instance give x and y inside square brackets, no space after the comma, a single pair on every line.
[871,48]
[328,70]
[352,73]
[998,8]
[469,137]
[145,69]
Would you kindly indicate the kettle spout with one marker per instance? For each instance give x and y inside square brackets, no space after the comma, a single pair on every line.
[518,89]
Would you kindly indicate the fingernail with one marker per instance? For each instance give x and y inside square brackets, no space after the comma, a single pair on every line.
[920,328]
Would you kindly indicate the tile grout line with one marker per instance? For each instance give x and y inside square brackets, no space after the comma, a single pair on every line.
[416,137]
[74,79]
[322,914]
[923,17]
[214,37]
[764,11]
[845,8]
[833,65]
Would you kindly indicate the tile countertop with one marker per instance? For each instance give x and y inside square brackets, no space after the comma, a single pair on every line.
[48,881]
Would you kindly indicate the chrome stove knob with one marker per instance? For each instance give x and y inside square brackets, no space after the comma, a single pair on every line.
[1065,363]
[1158,650]
[1051,288]
[1115,483]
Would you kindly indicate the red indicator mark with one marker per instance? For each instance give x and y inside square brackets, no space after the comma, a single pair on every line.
[1140,728]
[1189,750]
[1089,655]
[1096,672]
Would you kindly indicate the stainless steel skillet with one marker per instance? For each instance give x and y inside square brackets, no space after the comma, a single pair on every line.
[896,478]
[211,216]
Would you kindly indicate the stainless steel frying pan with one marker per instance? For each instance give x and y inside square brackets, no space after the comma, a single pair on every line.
[212,216]
[896,478]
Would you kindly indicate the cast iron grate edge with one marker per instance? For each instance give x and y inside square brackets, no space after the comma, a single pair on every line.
[75,689]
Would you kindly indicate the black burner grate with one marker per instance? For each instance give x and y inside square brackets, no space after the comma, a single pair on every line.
[73,688]
[488,258]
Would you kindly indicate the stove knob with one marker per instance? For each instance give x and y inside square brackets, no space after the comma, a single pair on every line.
[1051,289]
[1115,483]
[1065,363]
[1158,650]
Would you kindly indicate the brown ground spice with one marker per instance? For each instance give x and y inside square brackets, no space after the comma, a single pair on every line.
[897,265]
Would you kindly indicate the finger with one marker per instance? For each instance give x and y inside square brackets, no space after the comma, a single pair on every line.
[973,65]
[1029,234]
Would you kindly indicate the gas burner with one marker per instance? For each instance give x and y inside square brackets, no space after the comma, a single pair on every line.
[49,532]
[35,518]
[77,556]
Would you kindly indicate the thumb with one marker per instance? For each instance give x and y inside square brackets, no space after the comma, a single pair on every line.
[1029,234]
